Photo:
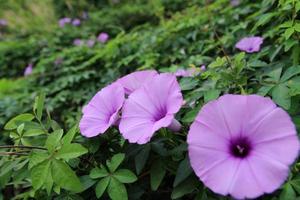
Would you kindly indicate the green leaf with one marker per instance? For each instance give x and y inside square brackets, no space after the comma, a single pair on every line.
[275,74]
[53,140]
[69,151]
[183,171]
[297,27]
[87,182]
[65,177]
[101,186]
[70,135]
[188,83]
[296,184]
[211,95]
[39,105]
[125,176]
[20,129]
[264,90]
[116,190]
[290,72]
[13,123]
[184,188]
[115,162]
[99,172]
[287,193]
[33,132]
[39,174]
[280,95]
[288,32]
[157,173]
[49,182]
[36,158]
[141,158]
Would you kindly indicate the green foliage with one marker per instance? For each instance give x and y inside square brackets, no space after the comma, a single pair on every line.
[44,161]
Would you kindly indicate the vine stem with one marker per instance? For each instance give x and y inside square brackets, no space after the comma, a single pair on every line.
[12,154]
[21,147]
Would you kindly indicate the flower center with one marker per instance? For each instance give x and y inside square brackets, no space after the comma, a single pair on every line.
[240,147]
[161,113]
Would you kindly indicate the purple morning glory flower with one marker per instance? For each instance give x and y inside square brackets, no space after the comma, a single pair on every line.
[78,42]
[3,22]
[102,111]
[76,22]
[103,37]
[135,80]
[90,43]
[250,44]
[64,21]
[150,108]
[242,145]
[28,70]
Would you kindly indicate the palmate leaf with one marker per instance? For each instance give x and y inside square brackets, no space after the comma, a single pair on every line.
[125,176]
[99,172]
[117,190]
[53,140]
[101,186]
[157,173]
[115,162]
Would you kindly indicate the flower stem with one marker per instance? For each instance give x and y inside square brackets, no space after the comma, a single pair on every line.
[175,125]
[21,147]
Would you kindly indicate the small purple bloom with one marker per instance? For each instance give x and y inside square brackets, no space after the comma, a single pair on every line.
[102,111]
[150,108]
[58,61]
[135,80]
[64,21]
[77,42]
[235,2]
[90,43]
[250,44]
[203,68]
[3,22]
[28,69]
[103,37]
[76,22]
[242,145]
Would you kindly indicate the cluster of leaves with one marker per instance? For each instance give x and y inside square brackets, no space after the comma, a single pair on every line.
[161,34]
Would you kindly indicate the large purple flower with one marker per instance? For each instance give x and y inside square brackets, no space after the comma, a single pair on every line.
[242,145]
[102,111]
[135,80]
[150,108]
[249,44]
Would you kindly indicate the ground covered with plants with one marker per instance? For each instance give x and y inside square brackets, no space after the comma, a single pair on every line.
[162,99]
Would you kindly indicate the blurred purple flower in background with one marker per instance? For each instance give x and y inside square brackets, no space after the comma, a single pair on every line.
[235,2]
[28,69]
[103,37]
[242,145]
[64,21]
[90,43]
[58,61]
[250,44]
[85,15]
[76,22]
[102,111]
[203,68]
[3,22]
[151,107]
[78,42]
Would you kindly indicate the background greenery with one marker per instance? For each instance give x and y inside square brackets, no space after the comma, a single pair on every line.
[159,34]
